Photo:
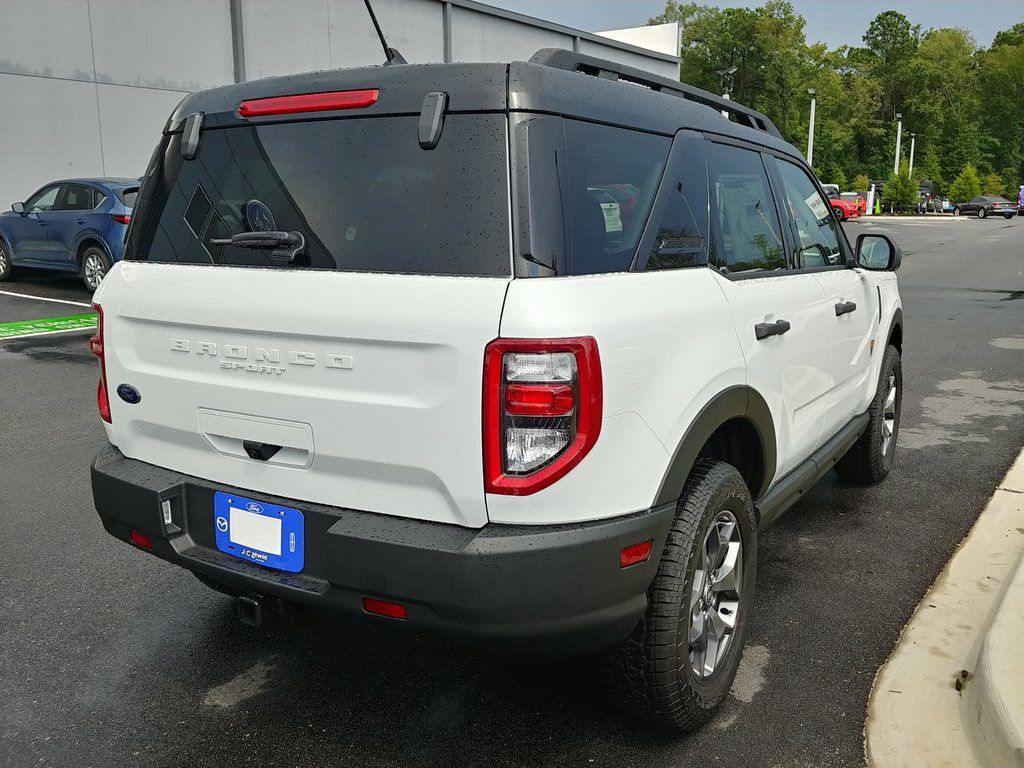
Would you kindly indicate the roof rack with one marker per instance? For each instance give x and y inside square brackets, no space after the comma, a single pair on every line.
[560,58]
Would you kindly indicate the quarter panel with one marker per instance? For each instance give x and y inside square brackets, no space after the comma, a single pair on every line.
[667,346]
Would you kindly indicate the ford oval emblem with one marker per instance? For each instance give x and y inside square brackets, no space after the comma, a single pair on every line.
[259,217]
[129,394]
[252,506]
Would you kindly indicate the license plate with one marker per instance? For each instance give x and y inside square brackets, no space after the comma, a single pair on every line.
[262,533]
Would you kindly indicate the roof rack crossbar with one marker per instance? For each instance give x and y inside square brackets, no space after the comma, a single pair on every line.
[560,58]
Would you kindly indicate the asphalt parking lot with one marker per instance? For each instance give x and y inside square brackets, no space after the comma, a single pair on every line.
[114,658]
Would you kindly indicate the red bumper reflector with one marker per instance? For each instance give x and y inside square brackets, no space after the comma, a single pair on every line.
[140,539]
[635,554]
[539,399]
[308,102]
[384,608]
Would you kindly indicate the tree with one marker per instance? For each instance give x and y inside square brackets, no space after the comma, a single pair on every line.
[993,185]
[861,183]
[902,192]
[966,186]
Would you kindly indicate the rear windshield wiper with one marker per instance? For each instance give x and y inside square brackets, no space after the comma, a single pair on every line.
[287,246]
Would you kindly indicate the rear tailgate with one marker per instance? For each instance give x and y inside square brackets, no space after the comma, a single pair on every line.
[377,406]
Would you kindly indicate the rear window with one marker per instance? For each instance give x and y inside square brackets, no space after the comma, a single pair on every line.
[361,192]
[127,196]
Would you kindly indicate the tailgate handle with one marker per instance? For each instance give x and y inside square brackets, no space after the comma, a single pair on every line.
[260,451]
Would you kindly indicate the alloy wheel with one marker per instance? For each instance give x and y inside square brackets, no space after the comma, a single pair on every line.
[715,595]
[889,414]
[94,271]
[3,260]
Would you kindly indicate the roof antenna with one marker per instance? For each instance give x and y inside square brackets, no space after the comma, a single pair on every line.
[392,56]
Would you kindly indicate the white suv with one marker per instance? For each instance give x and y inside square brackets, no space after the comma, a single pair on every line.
[376,348]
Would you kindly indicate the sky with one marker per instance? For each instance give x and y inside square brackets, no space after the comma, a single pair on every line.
[834,22]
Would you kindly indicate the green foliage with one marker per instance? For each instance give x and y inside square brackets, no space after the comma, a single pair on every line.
[966,186]
[965,104]
[901,191]
[861,183]
[993,185]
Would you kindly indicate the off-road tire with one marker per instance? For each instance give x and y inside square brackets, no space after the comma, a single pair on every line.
[649,673]
[6,267]
[866,462]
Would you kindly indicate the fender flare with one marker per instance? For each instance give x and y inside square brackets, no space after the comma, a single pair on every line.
[96,237]
[735,402]
[894,323]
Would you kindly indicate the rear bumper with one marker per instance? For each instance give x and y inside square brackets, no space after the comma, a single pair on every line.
[545,589]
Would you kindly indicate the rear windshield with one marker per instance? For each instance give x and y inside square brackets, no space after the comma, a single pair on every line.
[127,196]
[362,193]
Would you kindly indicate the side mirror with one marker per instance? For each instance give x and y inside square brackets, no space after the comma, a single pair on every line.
[878,253]
[18,208]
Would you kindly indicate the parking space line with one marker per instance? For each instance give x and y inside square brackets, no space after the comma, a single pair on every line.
[47,327]
[46,298]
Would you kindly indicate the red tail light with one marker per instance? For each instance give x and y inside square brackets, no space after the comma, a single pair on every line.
[542,410]
[121,218]
[308,102]
[96,347]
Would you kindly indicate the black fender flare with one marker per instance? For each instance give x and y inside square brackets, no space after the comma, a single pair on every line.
[894,323]
[92,237]
[735,402]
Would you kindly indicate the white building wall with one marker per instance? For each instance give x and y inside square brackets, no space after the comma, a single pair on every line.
[86,85]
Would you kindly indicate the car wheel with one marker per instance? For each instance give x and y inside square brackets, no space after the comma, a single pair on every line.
[982,213]
[870,458]
[6,267]
[956,211]
[94,267]
[677,666]
[840,214]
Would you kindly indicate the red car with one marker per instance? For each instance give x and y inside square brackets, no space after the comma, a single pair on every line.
[845,209]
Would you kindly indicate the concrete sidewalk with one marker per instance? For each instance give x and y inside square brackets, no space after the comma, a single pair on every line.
[952,693]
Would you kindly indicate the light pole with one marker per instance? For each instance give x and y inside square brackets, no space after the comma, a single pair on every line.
[810,129]
[913,138]
[899,137]
[727,82]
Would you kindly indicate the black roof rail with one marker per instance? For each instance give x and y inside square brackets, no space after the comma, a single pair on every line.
[560,58]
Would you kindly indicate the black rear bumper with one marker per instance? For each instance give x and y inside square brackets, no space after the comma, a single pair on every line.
[547,589]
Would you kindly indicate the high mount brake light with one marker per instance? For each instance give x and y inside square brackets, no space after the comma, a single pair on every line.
[542,410]
[96,347]
[309,102]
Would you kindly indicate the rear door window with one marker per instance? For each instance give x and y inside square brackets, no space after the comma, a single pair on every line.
[749,237]
[614,174]
[362,193]
[78,197]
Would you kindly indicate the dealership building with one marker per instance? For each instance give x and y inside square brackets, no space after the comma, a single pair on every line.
[86,85]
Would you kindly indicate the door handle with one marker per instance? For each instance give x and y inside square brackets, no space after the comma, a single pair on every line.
[81,221]
[764,330]
[845,308]
[42,223]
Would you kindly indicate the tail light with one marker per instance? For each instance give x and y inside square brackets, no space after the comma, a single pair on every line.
[121,218]
[96,347]
[542,410]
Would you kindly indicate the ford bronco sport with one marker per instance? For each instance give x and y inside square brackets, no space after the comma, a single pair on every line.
[375,347]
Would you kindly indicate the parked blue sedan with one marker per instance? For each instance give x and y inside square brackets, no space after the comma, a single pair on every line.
[75,225]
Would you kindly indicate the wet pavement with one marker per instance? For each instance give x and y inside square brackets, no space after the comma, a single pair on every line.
[114,658]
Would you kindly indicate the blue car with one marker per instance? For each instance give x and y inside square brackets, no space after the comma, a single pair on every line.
[75,225]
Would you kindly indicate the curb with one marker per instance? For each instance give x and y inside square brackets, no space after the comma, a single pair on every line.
[952,692]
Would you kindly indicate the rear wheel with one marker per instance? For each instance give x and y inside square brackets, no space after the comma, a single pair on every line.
[982,213]
[6,268]
[94,267]
[840,214]
[677,666]
[870,458]
[956,211]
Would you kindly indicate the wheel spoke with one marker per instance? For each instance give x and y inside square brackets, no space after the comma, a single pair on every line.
[726,577]
[699,581]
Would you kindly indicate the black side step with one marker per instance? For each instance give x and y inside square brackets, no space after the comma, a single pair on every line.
[787,491]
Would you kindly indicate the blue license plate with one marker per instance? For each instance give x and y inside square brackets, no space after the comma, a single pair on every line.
[262,533]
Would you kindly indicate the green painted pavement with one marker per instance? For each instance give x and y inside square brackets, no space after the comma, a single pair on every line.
[47,325]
